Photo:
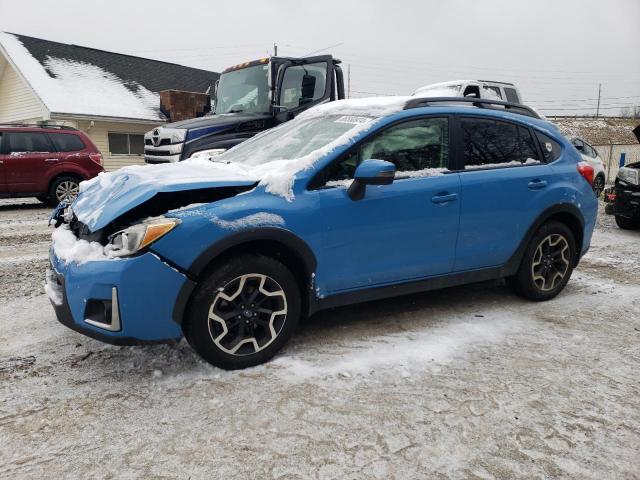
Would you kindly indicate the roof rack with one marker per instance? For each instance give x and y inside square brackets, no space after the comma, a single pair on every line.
[476,102]
[37,125]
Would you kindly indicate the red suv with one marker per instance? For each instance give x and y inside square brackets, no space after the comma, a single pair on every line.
[47,162]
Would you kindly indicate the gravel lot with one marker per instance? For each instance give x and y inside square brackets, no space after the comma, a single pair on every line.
[468,382]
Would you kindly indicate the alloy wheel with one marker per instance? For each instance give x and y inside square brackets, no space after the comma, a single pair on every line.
[598,186]
[247,314]
[550,262]
[67,191]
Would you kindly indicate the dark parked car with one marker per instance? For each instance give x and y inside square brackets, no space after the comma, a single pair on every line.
[46,162]
[623,199]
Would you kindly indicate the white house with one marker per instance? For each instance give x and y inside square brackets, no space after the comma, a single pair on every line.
[112,97]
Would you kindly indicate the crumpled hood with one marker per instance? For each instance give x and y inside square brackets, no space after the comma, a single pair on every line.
[109,195]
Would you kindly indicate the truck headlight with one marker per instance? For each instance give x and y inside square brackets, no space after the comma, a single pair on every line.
[208,154]
[629,175]
[136,237]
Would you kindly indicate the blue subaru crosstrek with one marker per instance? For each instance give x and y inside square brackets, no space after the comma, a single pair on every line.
[351,201]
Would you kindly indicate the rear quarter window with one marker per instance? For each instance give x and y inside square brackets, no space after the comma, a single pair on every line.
[551,149]
[65,142]
[512,95]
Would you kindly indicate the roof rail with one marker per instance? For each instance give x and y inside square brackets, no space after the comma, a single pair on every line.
[37,125]
[476,102]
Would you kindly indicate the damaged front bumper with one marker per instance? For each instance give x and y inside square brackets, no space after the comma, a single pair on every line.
[121,301]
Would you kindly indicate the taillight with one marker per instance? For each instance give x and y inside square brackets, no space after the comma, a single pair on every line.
[96,157]
[611,197]
[586,171]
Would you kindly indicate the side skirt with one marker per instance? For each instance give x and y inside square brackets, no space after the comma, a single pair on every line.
[388,291]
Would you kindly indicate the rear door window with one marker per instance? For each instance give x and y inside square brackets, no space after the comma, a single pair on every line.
[489,143]
[25,142]
[65,142]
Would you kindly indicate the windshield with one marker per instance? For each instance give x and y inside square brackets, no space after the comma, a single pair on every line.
[296,139]
[244,90]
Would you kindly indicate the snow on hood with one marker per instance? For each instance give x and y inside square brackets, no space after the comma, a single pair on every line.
[112,194]
[68,86]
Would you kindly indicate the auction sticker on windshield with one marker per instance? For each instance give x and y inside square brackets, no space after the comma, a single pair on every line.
[355,120]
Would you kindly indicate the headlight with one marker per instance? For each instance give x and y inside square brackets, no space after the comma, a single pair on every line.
[209,154]
[133,239]
[629,175]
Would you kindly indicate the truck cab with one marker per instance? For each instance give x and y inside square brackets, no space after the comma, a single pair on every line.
[249,98]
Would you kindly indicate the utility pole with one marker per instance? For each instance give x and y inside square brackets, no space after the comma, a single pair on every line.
[348,80]
[275,50]
[598,108]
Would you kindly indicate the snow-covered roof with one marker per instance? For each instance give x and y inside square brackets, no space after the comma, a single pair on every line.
[74,80]
[599,131]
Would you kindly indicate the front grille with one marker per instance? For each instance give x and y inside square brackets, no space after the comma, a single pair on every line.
[163,142]
[157,153]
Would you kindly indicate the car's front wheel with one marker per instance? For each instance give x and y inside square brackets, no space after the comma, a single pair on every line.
[243,312]
[547,263]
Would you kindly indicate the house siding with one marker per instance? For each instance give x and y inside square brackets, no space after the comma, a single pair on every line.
[17,100]
[99,134]
[612,154]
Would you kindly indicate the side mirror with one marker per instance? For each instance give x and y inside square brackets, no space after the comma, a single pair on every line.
[371,172]
[307,89]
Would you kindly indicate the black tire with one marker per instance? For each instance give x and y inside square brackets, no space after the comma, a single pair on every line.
[226,279]
[598,185]
[531,281]
[59,185]
[626,223]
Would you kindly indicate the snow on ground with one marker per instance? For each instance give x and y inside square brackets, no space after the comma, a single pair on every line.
[468,382]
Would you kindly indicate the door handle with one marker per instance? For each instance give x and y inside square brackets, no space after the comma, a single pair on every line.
[444,198]
[51,159]
[537,184]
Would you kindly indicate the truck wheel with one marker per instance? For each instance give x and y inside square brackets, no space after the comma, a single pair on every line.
[243,312]
[63,189]
[547,263]
[627,223]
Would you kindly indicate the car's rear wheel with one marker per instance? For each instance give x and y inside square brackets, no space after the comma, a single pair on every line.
[64,189]
[626,223]
[547,263]
[598,185]
[243,312]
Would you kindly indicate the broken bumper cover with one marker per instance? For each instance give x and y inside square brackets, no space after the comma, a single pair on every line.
[123,302]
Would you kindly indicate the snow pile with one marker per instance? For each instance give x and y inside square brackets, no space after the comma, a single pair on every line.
[259,219]
[425,172]
[515,163]
[52,289]
[69,249]
[408,350]
[80,88]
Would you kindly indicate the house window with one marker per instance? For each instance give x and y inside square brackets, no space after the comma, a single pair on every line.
[126,144]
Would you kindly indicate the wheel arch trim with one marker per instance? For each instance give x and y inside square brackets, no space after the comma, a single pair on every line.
[304,254]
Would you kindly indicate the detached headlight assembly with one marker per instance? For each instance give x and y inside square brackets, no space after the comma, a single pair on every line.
[136,237]
[629,175]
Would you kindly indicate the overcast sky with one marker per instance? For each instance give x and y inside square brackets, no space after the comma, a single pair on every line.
[556,51]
